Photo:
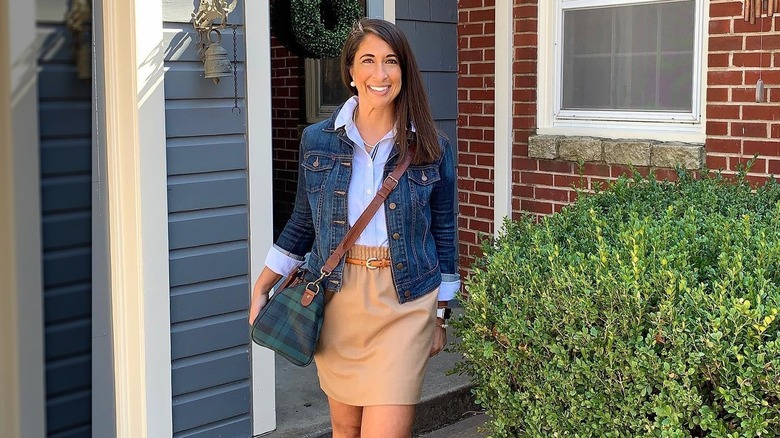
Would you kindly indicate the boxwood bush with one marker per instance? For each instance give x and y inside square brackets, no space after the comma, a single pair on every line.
[647,309]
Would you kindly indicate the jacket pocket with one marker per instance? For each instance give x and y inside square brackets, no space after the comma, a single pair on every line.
[421,182]
[316,167]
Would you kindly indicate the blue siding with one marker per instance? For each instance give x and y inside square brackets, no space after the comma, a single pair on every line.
[65,165]
[431,27]
[208,236]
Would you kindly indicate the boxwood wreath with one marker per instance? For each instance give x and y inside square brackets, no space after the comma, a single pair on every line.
[314,28]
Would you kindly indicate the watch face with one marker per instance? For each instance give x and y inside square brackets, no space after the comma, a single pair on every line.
[447,313]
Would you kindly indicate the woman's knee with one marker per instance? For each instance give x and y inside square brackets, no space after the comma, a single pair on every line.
[345,419]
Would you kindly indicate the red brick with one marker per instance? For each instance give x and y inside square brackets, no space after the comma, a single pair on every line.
[523,190]
[721,145]
[717,94]
[471,55]
[760,112]
[485,160]
[761,25]
[743,94]
[482,173]
[724,77]
[717,128]
[769,148]
[725,43]
[716,162]
[469,4]
[763,42]
[768,76]
[774,167]
[536,178]
[749,130]
[596,169]
[481,15]
[465,29]
[751,59]
[556,166]
[525,11]
[759,164]
[720,27]
[535,206]
[776,131]
[569,181]
[731,9]
[665,175]
[522,163]
[718,60]
[479,225]
[722,112]
[552,194]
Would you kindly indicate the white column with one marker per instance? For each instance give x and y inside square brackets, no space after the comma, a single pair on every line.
[134,141]
[22,394]
[260,169]
[384,9]
[502,184]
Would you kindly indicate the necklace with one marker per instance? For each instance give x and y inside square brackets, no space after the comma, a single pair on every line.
[370,149]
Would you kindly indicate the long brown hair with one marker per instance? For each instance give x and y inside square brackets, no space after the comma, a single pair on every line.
[411,105]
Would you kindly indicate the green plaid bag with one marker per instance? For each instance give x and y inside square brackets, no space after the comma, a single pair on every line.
[290,322]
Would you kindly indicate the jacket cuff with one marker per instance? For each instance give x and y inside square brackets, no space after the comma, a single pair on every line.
[282,262]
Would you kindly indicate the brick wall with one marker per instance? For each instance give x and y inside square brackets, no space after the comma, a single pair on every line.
[737,127]
[476,85]
[287,87]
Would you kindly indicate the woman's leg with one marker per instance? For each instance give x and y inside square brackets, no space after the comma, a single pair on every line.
[345,419]
[389,421]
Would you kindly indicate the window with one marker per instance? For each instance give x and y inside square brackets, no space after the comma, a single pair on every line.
[324,88]
[621,62]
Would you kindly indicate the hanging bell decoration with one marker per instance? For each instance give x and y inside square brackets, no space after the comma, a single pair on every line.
[215,60]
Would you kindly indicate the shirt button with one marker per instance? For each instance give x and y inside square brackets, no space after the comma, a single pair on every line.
[392,206]
[396,236]
[399,266]
[368,191]
[407,294]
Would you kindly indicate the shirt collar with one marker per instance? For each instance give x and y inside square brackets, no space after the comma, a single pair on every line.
[344,117]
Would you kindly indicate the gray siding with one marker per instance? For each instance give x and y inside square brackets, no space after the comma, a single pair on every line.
[65,164]
[431,27]
[208,233]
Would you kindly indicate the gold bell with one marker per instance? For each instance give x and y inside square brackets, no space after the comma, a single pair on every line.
[215,61]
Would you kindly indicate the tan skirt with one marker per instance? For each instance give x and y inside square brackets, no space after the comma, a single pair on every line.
[373,350]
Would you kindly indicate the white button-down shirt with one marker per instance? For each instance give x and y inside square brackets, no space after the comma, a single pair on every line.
[367,173]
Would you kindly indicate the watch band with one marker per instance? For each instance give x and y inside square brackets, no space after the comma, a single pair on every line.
[444,313]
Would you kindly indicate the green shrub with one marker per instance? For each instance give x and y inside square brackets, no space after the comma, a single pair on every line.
[649,309]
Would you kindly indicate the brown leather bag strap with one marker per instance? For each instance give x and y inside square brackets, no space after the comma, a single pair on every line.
[352,235]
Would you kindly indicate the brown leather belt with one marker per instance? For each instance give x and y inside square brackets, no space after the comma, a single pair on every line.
[371,263]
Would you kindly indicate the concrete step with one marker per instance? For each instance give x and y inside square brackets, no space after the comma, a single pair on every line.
[302,408]
[468,427]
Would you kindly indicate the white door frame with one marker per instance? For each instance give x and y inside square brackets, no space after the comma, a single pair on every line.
[22,393]
[260,180]
[133,137]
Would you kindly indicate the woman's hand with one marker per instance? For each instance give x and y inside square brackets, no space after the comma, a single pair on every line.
[439,338]
[263,285]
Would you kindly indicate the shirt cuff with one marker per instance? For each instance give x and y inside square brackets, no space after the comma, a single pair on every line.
[280,262]
[448,289]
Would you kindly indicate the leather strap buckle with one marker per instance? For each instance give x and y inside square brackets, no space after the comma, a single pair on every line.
[369,261]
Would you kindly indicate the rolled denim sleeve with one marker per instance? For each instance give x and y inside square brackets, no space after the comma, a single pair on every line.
[297,236]
[444,215]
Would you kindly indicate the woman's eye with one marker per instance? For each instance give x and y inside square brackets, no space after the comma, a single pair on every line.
[392,61]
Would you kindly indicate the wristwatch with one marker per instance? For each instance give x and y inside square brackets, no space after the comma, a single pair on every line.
[444,313]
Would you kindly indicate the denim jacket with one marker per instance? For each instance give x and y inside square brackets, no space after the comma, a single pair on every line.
[420,212]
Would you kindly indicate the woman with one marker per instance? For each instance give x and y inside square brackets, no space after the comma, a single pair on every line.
[382,322]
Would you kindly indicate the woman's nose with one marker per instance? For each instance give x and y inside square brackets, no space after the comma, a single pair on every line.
[380,71]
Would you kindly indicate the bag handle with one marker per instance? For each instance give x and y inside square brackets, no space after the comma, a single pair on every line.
[352,235]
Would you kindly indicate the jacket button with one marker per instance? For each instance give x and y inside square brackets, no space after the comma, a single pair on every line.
[399,266]
[396,236]
[407,294]
[392,206]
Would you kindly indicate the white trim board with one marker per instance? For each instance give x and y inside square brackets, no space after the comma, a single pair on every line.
[137,215]
[22,393]
[259,168]
[502,183]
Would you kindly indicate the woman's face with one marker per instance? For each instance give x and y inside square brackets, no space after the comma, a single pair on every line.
[377,73]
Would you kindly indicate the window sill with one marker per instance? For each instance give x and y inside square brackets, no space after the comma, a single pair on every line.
[632,152]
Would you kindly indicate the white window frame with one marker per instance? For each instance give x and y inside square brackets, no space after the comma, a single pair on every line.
[553,120]
[315,110]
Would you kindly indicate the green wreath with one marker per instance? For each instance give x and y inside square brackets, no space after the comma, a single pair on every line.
[314,28]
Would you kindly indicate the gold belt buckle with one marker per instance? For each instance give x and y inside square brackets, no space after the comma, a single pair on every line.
[368,262]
